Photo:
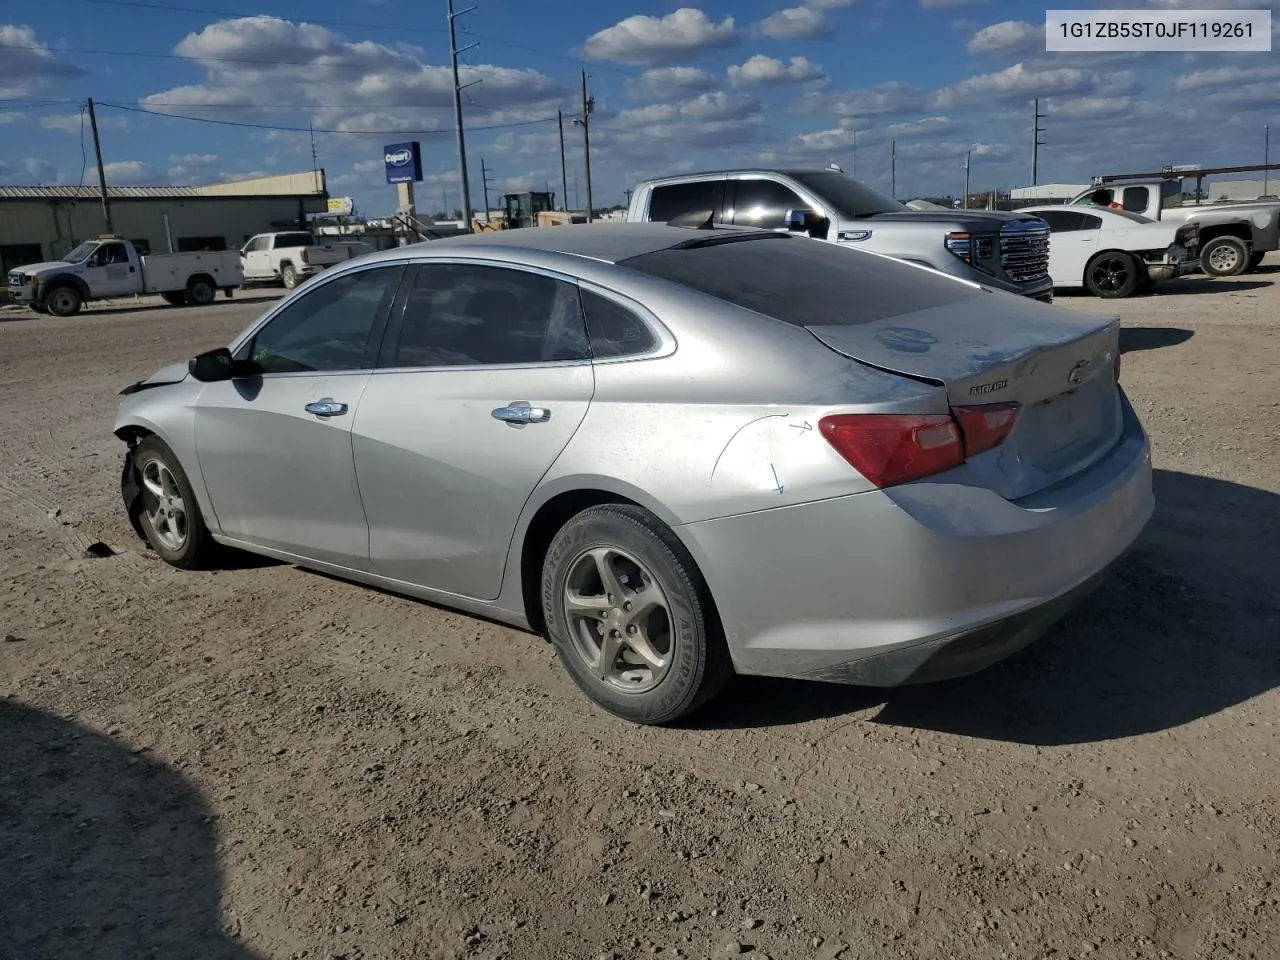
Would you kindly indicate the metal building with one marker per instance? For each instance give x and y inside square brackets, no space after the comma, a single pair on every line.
[42,223]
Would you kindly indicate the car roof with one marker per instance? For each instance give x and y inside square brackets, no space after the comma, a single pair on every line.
[739,171]
[607,242]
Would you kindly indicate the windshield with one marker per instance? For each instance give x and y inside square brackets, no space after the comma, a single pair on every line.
[849,197]
[81,253]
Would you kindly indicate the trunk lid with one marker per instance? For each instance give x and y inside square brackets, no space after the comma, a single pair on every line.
[1058,366]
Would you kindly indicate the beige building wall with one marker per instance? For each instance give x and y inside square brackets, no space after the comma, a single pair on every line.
[292,184]
[59,224]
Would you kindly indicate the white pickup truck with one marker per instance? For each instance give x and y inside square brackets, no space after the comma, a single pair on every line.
[291,257]
[111,267]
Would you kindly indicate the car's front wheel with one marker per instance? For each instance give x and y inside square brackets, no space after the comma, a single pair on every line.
[631,617]
[167,509]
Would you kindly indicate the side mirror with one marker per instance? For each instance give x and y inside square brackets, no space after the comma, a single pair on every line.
[211,366]
[807,221]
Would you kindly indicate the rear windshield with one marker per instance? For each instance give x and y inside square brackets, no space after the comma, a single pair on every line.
[808,283]
[294,240]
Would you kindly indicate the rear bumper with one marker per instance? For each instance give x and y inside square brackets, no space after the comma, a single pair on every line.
[922,582]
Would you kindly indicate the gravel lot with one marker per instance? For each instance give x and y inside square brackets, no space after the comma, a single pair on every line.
[265,762]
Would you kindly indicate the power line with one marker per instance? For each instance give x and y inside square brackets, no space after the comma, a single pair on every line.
[353,133]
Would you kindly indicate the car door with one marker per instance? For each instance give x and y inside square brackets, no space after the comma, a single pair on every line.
[275,448]
[110,273]
[761,202]
[257,259]
[1071,245]
[484,376]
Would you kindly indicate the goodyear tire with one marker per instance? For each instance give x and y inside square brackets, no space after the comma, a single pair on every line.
[631,617]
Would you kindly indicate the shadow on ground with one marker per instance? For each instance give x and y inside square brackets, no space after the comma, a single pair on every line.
[104,853]
[1187,626]
[1151,338]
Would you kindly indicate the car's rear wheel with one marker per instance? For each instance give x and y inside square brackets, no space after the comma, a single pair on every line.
[288,276]
[631,617]
[1111,275]
[201,291]
[1224,257]
[168,512]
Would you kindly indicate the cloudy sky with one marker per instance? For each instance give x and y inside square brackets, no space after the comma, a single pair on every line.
[190,91]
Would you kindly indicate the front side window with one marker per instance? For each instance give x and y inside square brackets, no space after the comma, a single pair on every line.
[327,328]
[468,314]
[764,203]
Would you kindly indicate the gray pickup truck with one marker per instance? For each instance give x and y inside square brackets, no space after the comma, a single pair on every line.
[1234,234]
[1004,251]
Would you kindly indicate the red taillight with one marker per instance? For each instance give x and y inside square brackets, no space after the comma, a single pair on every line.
[985,427]
[890,448]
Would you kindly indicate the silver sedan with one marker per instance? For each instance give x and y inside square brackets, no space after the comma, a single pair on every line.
[675,452]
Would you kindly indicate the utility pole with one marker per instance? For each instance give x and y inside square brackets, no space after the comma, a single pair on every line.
[484,179]
[588,105]
[102,177]
[1036,142]
[458,87]
[564,177]
[628,193]
[968,154]
[893,168]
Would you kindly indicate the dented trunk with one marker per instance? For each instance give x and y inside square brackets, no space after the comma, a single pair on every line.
[1058,367]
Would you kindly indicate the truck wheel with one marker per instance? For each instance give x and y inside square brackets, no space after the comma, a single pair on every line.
[1224,257]
[175,298]
[1255,261]
[1112,275]
[201,291]
[63,301]
[288,276]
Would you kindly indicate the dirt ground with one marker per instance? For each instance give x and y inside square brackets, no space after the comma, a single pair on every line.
[264,762]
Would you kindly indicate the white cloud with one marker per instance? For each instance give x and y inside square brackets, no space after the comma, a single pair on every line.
[1020,80]
[193,168]
[28,63]
[375,87]
[924,127]
[125,173]
[882,100]
[940,4]
[72,123]
[805,22]
[1225,76]
[1008,36]
[767,70]
[665,83]
[654,41]
[11,116]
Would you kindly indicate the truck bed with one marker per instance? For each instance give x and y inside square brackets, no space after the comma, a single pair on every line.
[163,272]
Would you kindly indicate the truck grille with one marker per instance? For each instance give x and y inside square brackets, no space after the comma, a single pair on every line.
[1024,250]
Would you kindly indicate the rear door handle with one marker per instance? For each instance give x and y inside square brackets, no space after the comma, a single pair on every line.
[522,412]
[326,407]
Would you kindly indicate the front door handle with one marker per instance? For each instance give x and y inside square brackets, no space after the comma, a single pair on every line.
[326,407]
[522,412]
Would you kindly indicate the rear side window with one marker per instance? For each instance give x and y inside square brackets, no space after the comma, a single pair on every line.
[802,281]
[1135,199]
[614,330]
[667,203]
